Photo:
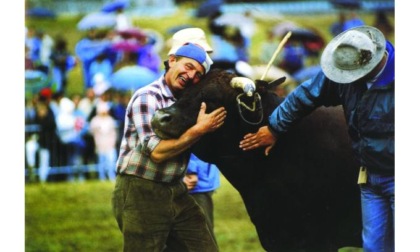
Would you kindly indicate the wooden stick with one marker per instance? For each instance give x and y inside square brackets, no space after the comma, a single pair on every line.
[276,53]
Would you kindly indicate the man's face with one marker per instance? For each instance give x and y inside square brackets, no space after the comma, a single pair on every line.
[182,73]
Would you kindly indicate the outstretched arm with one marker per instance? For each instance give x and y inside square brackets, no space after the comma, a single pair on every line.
[303,100]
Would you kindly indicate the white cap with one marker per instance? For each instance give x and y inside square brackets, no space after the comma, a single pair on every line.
[192,35]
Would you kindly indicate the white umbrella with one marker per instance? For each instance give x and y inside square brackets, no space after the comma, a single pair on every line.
[282,28]
[245,24]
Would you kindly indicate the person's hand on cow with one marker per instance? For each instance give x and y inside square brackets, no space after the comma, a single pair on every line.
[212,121]
[191,180]
[263,138]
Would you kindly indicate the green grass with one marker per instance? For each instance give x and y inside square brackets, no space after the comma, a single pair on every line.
[78,217]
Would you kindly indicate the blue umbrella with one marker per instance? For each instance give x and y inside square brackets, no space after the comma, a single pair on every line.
[209,8]
[35,80]
[40,12]
[96,20]
[350,4]
[115,5]
[87,49]
[131,78]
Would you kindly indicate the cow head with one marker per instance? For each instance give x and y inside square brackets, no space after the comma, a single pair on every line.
[247,105]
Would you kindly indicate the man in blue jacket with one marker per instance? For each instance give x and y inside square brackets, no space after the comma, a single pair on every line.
[357,73]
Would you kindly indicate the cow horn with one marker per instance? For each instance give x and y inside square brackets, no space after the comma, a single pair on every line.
[246,84]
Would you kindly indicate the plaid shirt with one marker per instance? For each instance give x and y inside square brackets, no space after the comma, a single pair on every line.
[139,140]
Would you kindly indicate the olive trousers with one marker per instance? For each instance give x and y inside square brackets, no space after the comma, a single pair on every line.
[157,217]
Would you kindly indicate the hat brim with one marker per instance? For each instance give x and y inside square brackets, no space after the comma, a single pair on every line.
[348,76]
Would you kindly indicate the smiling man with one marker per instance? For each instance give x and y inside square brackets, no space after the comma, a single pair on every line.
[150,201]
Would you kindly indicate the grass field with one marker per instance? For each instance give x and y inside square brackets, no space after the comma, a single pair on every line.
[78,216]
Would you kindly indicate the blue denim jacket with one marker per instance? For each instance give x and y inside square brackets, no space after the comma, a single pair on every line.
[369,113]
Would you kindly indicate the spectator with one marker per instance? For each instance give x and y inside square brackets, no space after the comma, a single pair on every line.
[101,65]
[88,48]
[353,21]
[29,64]
[338,26]
[82,129]
[47,138]
[62,62]
[45,51]
[87,102]
[33,43]
[70,133]
[86,105]
[104,130]
[383,24]
[121,100]
[346,21]
[123,22]
[293,56]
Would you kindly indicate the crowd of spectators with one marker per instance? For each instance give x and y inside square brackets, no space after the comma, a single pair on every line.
[70,134]
[63,128]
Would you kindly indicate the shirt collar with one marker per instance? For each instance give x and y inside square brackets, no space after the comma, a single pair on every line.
[166,91]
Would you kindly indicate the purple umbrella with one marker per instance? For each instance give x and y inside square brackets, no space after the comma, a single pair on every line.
[131,78]
[128,45]
[132,32]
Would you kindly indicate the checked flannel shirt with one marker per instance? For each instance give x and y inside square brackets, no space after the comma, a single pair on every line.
[139,140]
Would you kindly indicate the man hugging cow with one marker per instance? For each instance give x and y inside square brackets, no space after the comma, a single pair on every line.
[150,201]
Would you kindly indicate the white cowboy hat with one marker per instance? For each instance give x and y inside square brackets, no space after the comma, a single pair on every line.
[192,35]
[353,54]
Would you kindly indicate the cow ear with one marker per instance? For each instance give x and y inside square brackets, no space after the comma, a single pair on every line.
[261,86]
[277,82]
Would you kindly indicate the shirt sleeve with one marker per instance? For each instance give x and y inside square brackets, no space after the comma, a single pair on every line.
[143,109]
[309,95]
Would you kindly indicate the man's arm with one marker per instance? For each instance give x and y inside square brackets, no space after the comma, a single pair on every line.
[303,100]
[205,123]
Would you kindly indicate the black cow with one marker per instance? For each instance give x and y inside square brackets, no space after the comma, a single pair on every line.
[303,196]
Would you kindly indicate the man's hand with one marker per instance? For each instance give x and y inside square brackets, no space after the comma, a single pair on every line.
[210,122]
[191,180]
[260,139]
[206,123]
